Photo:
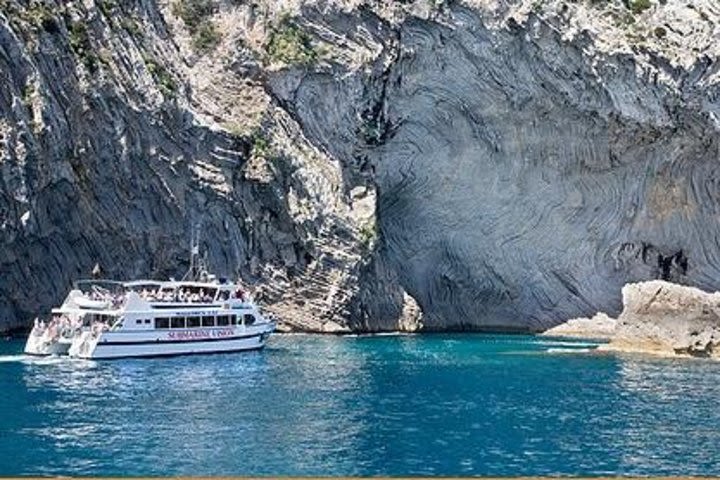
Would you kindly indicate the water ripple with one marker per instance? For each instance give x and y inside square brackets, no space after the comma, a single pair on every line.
[382,405]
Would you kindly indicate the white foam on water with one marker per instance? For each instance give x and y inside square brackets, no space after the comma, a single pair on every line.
[33,359]
[46,360]
[12,358]
[378,334]
[559,343]
[569,350]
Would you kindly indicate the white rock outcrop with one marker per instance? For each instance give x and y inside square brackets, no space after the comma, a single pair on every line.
[600,327]
[668,319]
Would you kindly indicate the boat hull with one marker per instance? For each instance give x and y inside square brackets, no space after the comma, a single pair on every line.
[111,345]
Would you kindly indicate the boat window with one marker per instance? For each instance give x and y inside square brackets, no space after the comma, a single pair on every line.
[147,320]
[177,322]
[249,318]
[208,321]
[193,322]
[223,296]
[138,321]
[162,323]
[233,320]
[223,320]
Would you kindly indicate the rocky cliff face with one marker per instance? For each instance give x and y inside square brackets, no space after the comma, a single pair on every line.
[364,165]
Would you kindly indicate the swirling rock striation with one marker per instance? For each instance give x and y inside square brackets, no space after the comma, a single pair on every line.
[419,165]
[524,177]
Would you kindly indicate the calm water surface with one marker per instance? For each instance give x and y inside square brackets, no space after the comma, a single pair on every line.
[393,405]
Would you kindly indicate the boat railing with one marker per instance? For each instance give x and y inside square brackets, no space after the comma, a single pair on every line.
[88,283]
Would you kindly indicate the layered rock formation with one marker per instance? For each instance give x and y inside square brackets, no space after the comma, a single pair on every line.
[492,165]
[667,319]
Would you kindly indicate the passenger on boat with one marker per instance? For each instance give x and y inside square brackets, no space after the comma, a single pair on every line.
[76,323]
[52,329]
[98,327]
[116,300]
[38,327]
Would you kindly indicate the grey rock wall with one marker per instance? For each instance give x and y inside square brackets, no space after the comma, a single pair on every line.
[492,172]
[104,160]
[523,181]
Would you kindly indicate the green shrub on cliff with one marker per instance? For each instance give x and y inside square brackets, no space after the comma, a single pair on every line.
[638,6]
[42,17]
[260,145]
[206,37]
[164,79]
[81,45]
[107,7]
[195,15]
[368,235]
[131,27]
[290,44]
[193,12]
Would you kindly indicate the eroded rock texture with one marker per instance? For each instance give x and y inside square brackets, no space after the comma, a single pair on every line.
[522,181]
[491,165]
[106,159]
[668,319]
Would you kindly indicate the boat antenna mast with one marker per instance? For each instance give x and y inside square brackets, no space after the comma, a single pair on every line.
[196,263]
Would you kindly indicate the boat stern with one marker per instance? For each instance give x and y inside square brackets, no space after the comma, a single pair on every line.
[43,345]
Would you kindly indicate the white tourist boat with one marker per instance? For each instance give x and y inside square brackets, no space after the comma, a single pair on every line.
[106,319]
[176,318]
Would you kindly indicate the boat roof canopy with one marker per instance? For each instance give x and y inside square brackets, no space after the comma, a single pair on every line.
[94,281]
[62,310]
[139,283]
[156,283]
[198,284]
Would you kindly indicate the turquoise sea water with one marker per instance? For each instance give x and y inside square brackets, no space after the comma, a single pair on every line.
[387,405]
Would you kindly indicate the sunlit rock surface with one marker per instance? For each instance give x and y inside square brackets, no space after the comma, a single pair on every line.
[663,318]
[599,327]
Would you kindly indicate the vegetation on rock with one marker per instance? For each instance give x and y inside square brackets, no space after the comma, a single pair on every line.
[290,44]
[162,76]
[638,6]
[260,145]
[368,234]
[206,37]
[195,14]
[81,46]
